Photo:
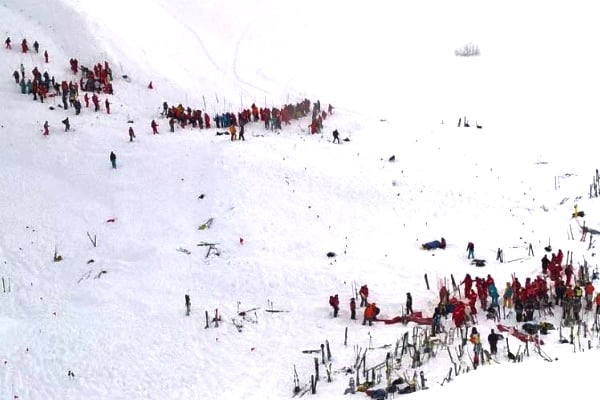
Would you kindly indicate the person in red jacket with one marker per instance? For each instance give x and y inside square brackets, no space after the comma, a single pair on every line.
[468,282]
[154,127]
[206,121]
[46,56]
[334,302]
[86,98]
[24,46]
[46,129]
[589,295]
[364,294]
[472,296]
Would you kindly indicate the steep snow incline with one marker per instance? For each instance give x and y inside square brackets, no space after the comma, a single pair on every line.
[114,313]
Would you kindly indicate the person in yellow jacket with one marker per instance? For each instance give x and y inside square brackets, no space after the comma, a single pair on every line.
[232,131]
[507,296]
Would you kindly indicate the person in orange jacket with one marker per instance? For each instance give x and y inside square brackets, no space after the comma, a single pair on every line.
[370,314]
[232,131]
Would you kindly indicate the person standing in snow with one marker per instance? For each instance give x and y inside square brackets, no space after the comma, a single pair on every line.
[96,102]
[364,294]
[493,338]
[353,308]
[107,105]
[232,131]
[46,128]
[113,160]
[468,282]
[334,302]
[241,132]
[24,46]
[7,43]
[132,136]
[77,105]
[36,46]
[470,250]
[336,136]
[66,124]
[188,305]
[409,310]
[154,127]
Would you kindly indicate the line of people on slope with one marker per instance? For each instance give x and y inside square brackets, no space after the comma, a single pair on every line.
[25,47]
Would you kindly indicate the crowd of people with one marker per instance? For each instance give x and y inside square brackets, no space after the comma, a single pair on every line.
[42,86]
[557,286]
[273,118]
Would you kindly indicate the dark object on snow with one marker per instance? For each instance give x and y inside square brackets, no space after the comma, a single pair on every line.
[346,139]
[579,214]
[478,126]
[392,158]
[548,248]
[91,260]
[478,262]
[201,196]
[188,305]
[331,254]
[531,328]
[436,244]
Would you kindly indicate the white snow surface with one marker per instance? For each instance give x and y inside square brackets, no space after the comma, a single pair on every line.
[389,69]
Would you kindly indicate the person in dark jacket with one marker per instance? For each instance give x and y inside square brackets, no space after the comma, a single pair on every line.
[113,160]
[545,264]
[241,132]
[131,134]
[77,105]
[336,136]
[353,308]
[409,310]
[188,304]
[493,338]
[470,250]
[67,124]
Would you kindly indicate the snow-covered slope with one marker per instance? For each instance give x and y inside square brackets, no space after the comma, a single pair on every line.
[114,314]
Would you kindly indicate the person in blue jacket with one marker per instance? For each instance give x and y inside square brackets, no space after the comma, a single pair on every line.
[436,244]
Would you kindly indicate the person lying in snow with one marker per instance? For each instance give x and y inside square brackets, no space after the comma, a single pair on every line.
[436,244]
